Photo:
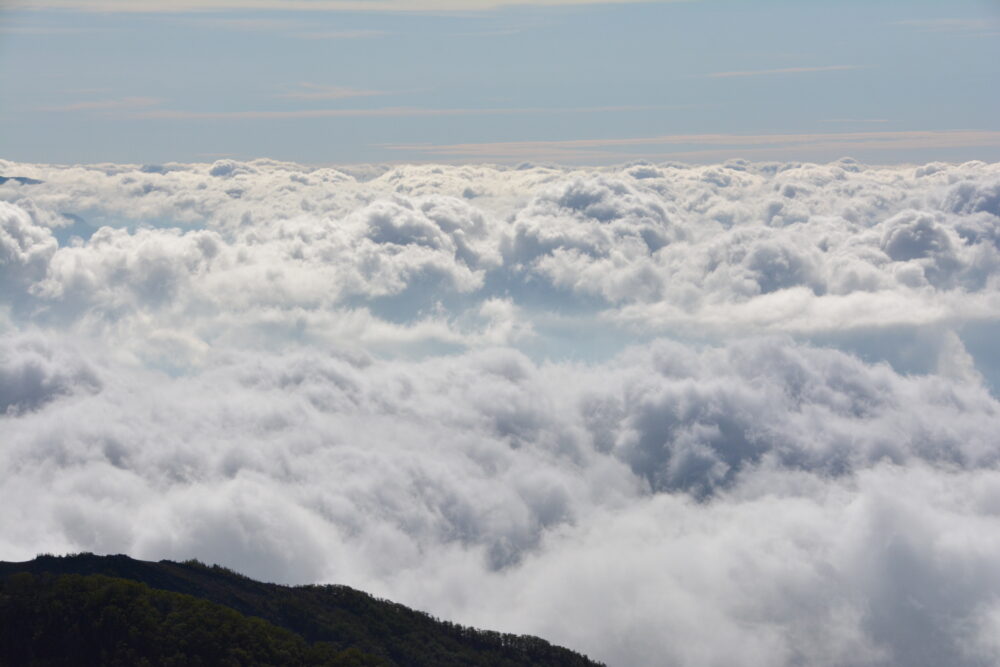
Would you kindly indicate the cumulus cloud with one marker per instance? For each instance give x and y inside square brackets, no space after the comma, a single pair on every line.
[747,486]
[658,247]
[740,414]
[33,373]
[25,248]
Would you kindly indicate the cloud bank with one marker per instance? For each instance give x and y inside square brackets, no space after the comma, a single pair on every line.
[741,414]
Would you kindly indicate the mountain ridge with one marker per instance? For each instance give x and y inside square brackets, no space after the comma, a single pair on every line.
[338,617]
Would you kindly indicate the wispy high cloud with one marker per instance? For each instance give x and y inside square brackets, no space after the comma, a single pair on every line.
[118,104]
[318,91]
[378,112]
[854,120]
[961,25]
[293,28]
[340,34]
[42,30]
[703,147]
[784,70]
[247,24]
[160,6]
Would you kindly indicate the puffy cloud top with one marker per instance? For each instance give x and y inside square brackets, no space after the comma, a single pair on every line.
[740,414]
[33,373]
[660,247]
[25,248]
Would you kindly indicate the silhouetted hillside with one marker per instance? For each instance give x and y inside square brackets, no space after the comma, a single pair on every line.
[117,610]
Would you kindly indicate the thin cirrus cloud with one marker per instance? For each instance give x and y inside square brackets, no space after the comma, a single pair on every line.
[42,30]
[340,34]
[784,70]
[379,112]
[721,145]
[247,24]
[118,104]
[292,28]
[854,120]
[142,107]
[406,6]
[959,25]
[317,91]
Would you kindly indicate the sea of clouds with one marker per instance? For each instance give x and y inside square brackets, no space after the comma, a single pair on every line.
[742,414]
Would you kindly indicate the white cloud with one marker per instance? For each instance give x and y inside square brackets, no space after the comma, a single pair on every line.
[793,248]
[732,414]
[25,248]
[764,485]
[33,373]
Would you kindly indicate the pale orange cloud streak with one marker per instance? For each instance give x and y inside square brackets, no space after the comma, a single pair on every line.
[380,112]
[704,147]
[406,6]
[784,70]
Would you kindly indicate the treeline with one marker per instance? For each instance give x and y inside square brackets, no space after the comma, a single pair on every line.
[71,619]
[321,625]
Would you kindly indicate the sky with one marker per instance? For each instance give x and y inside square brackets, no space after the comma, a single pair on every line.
[400,81]
[668,332]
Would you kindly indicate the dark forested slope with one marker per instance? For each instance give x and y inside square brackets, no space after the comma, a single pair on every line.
[117,610]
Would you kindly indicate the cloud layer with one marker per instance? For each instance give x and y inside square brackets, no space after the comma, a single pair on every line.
[737,414]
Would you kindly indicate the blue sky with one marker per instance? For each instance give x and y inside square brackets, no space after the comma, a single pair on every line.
[85,81]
